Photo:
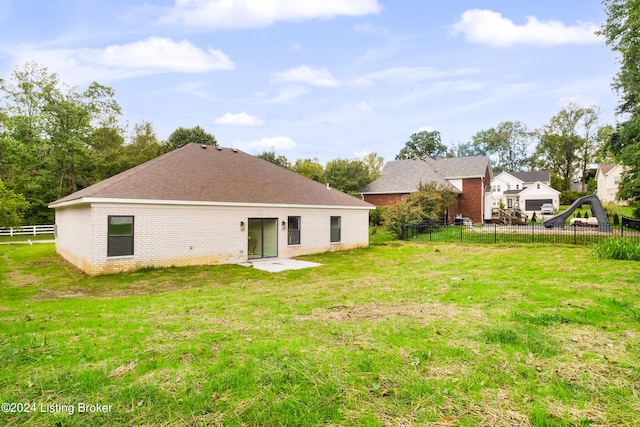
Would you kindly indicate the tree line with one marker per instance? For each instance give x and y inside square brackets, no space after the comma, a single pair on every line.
[621,31]
[568,146]
[56,139]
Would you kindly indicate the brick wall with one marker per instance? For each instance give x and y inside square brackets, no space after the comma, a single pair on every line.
[177,235]
[470,201]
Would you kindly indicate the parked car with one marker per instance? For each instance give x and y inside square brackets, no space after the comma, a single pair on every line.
[546,209]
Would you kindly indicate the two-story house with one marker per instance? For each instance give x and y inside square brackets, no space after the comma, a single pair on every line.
[526,191]
[608,179]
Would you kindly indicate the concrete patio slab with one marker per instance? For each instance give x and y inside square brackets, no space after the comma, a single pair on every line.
[277,265]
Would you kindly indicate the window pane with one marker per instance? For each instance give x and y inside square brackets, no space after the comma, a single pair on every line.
[120,246]
[335,229]
[294,223]
[335,222]
[293,230]
[120,236]
[120,225]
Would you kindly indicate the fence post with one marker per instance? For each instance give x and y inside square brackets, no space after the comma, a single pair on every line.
[11,231]
[533,230]
[495,233]
[575,235]
[461,227]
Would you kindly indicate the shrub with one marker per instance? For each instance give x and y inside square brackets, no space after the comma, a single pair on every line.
[616,219]
[426,204]
[618,248]
[395,216]
[375,216]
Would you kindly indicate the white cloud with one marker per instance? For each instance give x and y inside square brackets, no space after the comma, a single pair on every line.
[426,129]
[153,55]
[403,74]
[287,94]
[360,106]
[491,28]
[274,142]
[241,119]
[578,100]
[261,13]
[304,74]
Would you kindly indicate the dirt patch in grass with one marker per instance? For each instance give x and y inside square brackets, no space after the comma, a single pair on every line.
[51,295]
[123,369]
[590,340]
[594,416]
[19,280]
[381,311]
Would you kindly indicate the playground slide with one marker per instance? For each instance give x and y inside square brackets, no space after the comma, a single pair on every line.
[596,209]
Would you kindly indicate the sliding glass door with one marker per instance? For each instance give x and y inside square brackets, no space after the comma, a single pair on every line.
[263,238]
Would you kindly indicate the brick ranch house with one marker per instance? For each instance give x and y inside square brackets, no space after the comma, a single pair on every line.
[469,177]
[202,205]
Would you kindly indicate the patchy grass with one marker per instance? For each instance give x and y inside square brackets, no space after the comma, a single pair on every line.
[396,334]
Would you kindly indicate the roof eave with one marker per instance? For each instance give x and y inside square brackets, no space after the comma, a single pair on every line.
[104,200]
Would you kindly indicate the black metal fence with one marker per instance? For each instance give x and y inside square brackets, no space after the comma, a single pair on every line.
[531,233]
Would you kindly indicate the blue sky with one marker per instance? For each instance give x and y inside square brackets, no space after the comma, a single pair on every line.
[322,78]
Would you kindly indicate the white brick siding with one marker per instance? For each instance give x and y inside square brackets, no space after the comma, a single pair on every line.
[178,235]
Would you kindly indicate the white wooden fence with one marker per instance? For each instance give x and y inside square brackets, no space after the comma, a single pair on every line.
[28,230]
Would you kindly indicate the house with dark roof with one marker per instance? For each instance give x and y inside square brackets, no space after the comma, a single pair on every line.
[525,191]
[201,205]
[469,177]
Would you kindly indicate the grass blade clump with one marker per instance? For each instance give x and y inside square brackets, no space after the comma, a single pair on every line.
[618,248]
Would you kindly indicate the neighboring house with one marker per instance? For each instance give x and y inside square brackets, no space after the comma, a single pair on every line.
[526,191]
[469,177]
[608,179]
[201,205]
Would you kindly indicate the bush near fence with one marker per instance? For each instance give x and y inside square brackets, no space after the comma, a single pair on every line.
[495,233]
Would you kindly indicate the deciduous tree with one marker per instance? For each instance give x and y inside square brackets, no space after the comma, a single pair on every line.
[567,143]
[621,31]
[183,136]
[12,207]
[47,129]
[277,159]
[347,175]
[507,145]
[421,144]
[311,168]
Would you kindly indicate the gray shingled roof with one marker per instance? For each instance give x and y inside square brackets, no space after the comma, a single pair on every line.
[405,176]
[532,176]
[214,174]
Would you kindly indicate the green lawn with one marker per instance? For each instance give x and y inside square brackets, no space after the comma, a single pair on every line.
[26,238]
[398,334]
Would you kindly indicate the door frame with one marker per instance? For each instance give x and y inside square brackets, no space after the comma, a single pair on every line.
[262,239]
